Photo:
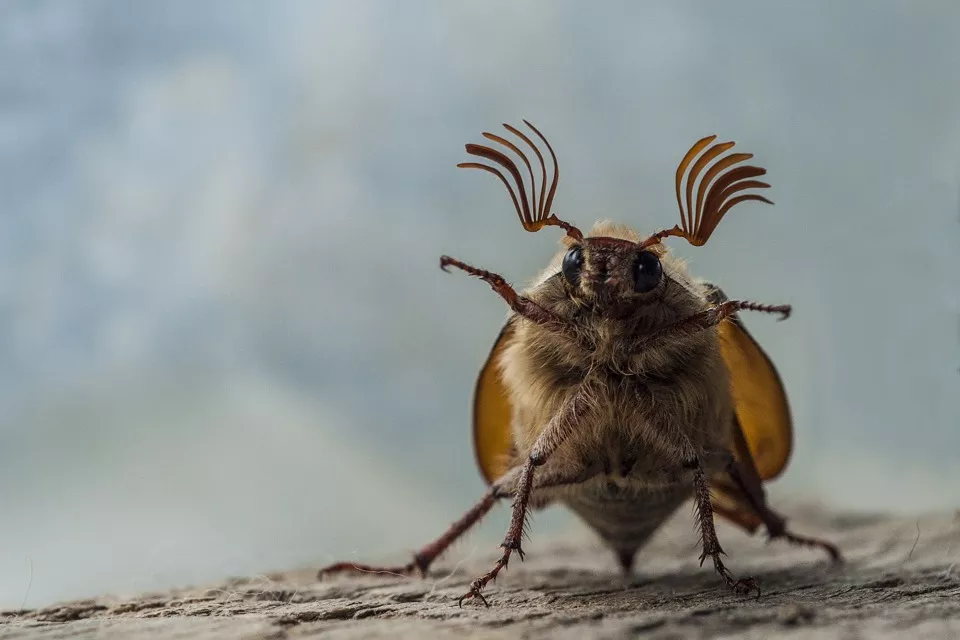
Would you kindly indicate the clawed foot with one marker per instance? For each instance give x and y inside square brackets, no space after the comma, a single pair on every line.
[477,585]
[740,586]
[474,592]
[743,586]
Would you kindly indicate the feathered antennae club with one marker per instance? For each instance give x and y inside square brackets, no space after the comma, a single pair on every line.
[533,211]
[718,184]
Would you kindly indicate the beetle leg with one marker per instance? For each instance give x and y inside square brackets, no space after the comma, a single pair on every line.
[709,318]
[425,556]
[555,433]
[775,523]
[708,534]
[505,487]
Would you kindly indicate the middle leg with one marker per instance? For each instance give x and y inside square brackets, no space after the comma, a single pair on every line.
[555,433]
[708,534]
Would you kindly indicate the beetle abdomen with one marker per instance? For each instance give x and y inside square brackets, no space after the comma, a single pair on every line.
[626,518]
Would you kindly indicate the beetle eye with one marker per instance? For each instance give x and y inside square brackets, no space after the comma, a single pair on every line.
[572,263]
[647,272]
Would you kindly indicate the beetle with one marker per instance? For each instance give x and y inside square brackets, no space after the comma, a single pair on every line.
[621,386]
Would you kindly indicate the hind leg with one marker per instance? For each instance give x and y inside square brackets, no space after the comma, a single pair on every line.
[423,558]
[505,487]
[775,524]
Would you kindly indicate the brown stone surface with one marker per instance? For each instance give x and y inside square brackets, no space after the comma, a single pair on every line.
[899,582]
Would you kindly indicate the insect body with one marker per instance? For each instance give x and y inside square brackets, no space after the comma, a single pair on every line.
[621,386]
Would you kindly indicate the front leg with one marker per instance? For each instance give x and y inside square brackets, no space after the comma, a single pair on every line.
[708,534]
[521,305]
[556,432]
[708,318]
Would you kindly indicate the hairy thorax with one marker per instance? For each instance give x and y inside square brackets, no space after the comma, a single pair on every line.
[650,410]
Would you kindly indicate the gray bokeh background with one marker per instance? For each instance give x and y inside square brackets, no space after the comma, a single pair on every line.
[225,344]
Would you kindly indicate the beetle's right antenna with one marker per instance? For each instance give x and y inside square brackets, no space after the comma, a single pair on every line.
[714,193]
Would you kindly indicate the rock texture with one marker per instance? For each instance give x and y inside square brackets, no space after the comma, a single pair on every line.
[899,581]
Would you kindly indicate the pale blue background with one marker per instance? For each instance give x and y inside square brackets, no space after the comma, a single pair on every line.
[225,344]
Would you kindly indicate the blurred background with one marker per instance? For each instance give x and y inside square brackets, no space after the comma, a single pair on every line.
[225,343]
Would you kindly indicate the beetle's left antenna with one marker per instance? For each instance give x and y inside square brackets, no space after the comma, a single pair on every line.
[534,212]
